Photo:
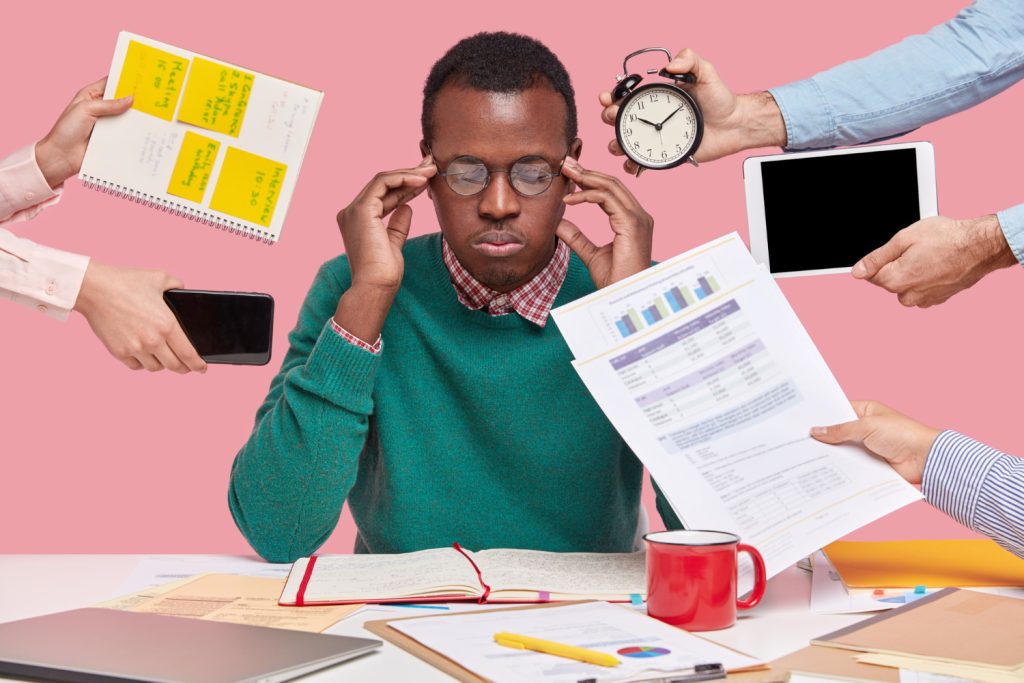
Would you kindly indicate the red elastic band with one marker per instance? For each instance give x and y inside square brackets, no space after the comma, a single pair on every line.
[300,597]
[480,577]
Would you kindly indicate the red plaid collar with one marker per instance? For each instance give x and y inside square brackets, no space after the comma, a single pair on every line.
[532,301]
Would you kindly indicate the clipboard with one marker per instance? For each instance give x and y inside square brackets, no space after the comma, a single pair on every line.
[383,629]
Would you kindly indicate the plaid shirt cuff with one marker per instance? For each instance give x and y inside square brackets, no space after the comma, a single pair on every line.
[352,339]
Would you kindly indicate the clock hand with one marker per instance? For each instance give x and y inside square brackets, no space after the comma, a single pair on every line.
[649,123]
[671,115]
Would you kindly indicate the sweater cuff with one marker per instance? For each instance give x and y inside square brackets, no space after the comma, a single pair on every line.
[344,372]
[1012,223]
[954,474]
[808,116]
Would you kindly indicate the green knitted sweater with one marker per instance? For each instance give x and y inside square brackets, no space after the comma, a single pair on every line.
[466,427]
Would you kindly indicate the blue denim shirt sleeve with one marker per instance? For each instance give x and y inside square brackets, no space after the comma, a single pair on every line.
[977,54]
[1012,222]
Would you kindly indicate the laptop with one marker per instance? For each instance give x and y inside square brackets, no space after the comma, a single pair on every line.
[96,644]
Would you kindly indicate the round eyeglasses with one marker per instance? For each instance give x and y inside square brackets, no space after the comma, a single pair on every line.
[528,176]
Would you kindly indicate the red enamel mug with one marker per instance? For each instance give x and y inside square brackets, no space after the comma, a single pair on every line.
[691,578]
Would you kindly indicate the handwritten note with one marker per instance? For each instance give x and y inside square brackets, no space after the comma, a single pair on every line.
[248,186]
[154,77]
[192,170]
[216,97]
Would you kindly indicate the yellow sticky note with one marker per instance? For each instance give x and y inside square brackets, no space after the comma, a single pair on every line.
[192,169]
[248,186]
[216,97]
[154,78]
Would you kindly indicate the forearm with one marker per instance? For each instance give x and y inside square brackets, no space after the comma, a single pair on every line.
[40,277]
[291,478]
[362,311]
[762,124]
[24,190]
[979,486]
[952,67]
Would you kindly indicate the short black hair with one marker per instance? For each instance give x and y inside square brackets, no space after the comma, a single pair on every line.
[499,62]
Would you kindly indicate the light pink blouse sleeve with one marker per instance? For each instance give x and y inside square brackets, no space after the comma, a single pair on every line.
[32,274]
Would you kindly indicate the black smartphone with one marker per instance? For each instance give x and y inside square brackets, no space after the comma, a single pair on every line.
[225,327]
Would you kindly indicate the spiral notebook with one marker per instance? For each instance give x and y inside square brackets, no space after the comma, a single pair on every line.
[204,139]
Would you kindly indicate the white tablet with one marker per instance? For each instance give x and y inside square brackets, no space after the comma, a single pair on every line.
[811,213]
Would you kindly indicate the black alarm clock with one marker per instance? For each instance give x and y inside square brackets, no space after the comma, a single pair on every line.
[659,125]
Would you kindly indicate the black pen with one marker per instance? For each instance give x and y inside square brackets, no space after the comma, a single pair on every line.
[701,672]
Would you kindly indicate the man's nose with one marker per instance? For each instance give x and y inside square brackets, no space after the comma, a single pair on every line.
[499,200]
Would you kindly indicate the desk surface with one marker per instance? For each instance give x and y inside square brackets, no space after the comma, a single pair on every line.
[31,585]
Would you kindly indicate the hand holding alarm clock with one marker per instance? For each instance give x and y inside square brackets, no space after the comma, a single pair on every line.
[658,125]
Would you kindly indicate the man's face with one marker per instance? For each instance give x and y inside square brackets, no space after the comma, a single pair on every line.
[501,237]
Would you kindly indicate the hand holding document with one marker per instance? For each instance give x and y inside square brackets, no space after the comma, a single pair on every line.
[706,372]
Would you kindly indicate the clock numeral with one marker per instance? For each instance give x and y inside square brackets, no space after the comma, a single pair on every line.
[640,105]
[664,154]
[654,97]
[649,151]
[632,118]
[679,149]
[636,144]
[629,132]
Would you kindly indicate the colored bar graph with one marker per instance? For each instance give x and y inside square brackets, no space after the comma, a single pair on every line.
[629,324]
[713,282]
[706,286]
[677,297]
[687,296]
[655,313]
[699,292]
[623,330]
[648,316]
[662,308]
[637,322]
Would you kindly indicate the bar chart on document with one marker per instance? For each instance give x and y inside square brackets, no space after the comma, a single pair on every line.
[661,300]
[706,372]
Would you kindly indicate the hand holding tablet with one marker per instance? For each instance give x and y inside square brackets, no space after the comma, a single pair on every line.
[813,213]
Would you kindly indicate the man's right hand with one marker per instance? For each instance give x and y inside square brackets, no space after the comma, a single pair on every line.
[374,249]
[732,123]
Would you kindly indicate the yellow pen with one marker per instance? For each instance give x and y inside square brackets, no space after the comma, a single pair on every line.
[547,647]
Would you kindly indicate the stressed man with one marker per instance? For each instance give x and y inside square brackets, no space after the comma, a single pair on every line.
[425,383]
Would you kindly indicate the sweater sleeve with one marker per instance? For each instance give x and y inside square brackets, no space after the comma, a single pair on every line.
[291,478]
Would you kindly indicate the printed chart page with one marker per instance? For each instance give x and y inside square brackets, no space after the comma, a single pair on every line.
[707,373]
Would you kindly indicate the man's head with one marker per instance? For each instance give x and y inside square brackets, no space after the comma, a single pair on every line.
[499,98]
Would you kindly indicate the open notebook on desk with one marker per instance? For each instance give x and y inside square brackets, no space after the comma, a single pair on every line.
[448,574]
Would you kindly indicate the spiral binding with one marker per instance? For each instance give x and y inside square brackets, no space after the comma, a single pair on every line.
[168,206]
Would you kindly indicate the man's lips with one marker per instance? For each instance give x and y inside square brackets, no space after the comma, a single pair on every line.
[498,244]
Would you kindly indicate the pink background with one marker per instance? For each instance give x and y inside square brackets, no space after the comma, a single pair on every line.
[97,458]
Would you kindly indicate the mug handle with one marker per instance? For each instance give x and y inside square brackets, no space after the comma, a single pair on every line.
[760,577]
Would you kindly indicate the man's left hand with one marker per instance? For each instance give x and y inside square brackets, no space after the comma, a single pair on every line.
[933,259]
[629,252]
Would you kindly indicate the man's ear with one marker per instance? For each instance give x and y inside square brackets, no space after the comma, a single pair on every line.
[424,151]
[575,149]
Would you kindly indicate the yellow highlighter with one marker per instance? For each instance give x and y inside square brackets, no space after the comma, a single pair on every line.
[547,647]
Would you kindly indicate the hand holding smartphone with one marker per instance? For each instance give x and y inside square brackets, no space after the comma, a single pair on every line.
[225,327]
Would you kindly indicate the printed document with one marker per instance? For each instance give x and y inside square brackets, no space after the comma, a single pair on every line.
[708,375]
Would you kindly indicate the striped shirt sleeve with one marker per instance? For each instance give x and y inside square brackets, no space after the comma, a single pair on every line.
[979,486]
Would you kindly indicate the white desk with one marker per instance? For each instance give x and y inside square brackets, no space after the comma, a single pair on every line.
[31,585]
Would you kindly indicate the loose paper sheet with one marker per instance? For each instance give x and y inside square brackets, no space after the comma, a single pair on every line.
[237,599]
[706,372]
[644,646]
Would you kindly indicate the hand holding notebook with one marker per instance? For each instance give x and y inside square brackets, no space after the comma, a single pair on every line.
[204,139]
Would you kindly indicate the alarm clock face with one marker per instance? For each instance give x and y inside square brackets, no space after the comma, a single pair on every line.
[658,126]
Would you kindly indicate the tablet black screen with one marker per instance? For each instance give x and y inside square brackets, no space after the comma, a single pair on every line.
[829,211]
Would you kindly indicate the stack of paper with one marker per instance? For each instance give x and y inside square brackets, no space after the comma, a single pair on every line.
[706,372]
[645,647]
